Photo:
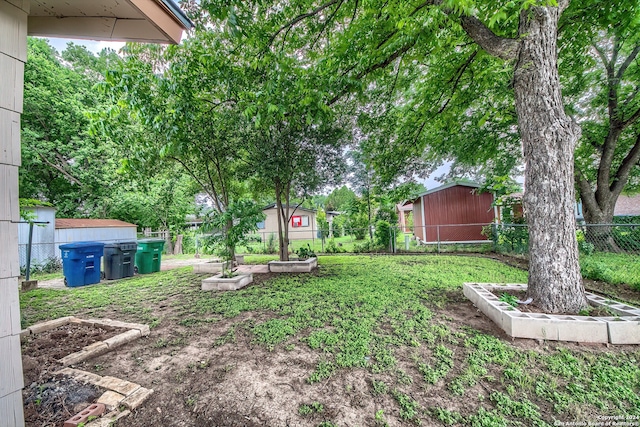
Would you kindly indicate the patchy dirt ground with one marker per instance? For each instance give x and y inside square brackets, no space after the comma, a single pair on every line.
[199,379]
[50,399]
[213,374]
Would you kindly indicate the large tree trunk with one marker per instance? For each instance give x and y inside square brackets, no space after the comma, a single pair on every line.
[549,139]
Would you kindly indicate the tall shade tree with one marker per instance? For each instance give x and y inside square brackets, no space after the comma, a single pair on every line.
[61,162]
[359,42]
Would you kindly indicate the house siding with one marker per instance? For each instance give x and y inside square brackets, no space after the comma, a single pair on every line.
[13,55]
[295,233]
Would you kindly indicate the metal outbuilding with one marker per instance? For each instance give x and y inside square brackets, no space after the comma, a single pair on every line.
[454,212]
[69,230]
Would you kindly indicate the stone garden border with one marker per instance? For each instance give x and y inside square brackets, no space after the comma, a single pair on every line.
[135,331]
[305,266]
[624,329]
[120,393]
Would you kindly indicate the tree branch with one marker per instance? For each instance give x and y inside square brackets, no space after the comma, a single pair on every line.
[635,116]
[628,62]
[326,23]
[459,74]
[300,17]
[624,170]
[395,55]
[60,169]
[501,47]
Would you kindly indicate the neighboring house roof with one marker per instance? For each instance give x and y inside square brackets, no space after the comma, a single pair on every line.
[273,205]
[470,184]
[90,223]
[404,206]
[627,205]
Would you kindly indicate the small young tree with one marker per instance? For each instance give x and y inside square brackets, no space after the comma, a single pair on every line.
[233,226]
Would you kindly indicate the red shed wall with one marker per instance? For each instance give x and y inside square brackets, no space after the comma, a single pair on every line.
[457,205]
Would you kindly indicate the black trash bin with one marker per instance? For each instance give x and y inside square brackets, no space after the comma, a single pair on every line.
[119,259]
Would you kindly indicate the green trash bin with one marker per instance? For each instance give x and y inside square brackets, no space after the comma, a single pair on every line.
[149,255]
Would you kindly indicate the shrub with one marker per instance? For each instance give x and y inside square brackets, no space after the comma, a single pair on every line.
[383,234]
[305,253]
[365,247]
[271,244]
[597,271]
[332,248]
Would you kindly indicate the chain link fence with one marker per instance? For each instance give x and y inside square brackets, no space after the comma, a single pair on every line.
[611,238]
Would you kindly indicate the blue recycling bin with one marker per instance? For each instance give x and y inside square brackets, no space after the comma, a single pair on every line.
[81,263]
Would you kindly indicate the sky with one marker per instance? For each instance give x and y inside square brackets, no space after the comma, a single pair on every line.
[93,46]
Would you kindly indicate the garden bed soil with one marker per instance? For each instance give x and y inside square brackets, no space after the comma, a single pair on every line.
[55,400]
[533,308]
[41,352]
[50,399]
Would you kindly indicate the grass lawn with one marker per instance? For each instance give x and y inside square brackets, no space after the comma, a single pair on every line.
[364,341]
[45,276]
[612,268]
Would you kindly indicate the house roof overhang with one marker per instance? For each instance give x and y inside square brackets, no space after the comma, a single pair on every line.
[150,21]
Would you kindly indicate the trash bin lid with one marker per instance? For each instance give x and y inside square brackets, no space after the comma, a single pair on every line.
[80,245]
[128,244]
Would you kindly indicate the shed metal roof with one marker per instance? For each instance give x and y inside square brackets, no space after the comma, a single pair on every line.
[90,223]
[470,184]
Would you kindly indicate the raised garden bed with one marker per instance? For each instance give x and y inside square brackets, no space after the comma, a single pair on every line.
[621,328]
[219,283]
[304,266]
[214,266]
[53,395]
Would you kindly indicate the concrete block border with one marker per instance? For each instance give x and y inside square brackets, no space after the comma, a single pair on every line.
[135,331]
[624,329]
[305,266]
[214,266]
[219,283]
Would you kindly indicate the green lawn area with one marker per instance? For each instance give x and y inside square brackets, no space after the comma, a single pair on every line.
[612,268]
[398,325]
[47,276]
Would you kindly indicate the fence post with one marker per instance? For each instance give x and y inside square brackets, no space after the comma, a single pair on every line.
[494,236]
[438,236]
[393,240]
